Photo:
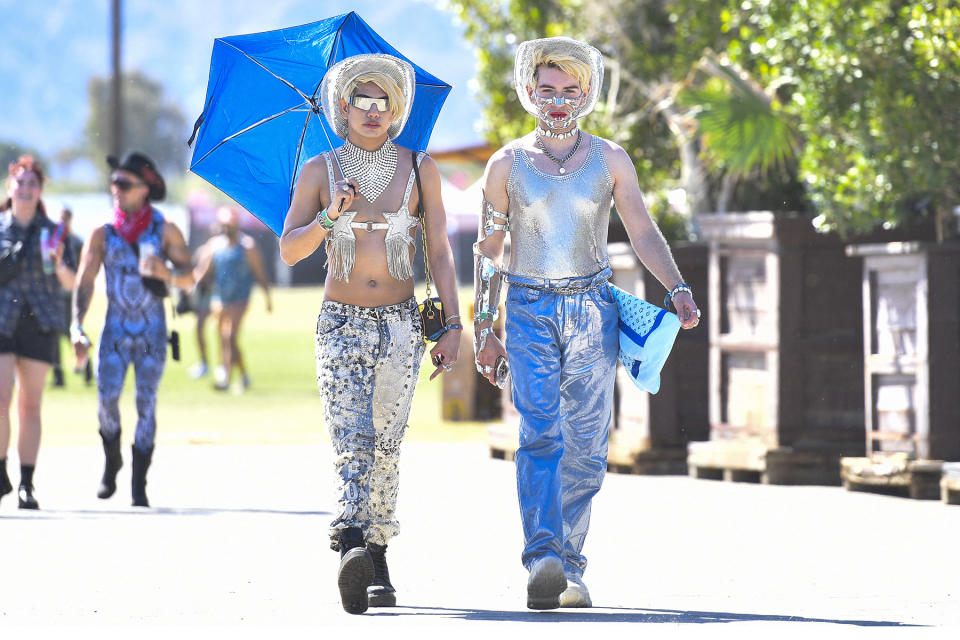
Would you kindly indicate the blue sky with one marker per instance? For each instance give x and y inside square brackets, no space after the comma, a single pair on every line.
[51,48]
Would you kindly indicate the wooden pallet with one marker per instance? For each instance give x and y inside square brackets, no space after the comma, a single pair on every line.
[950,483]
[893,474]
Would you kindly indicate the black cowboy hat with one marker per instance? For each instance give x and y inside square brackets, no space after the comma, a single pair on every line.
[139,164]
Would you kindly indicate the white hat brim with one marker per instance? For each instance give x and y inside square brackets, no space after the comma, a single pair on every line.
[527,53]
[340,75]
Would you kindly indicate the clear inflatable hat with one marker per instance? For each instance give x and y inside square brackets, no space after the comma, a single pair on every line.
[529,51]
[340,75]
[647,334]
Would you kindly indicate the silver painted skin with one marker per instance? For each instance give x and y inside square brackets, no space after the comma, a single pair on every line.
[562,341]
[558,224]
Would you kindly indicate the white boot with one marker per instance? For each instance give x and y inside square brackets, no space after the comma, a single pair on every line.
[576,595]
[546,583]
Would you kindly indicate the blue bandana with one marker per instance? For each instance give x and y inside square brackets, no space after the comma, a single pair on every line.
[647,333]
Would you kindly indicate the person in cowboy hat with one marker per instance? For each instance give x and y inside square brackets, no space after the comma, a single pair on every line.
[552,190]
[134,251]
[360,200]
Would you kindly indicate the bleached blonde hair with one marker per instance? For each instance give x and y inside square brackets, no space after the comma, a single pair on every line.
[387,84]
[566,63]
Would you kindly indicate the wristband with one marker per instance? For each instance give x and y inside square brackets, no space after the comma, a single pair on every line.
[324,220]
[453,325]
[680,287]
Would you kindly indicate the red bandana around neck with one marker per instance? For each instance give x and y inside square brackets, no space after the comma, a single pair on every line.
[131,225]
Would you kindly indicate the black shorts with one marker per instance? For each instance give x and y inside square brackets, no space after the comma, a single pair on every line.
[29,340]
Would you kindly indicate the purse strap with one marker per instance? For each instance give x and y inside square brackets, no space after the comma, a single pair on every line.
[423,223]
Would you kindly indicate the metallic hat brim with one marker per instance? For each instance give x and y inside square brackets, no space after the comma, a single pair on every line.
[340,75]
[527,52]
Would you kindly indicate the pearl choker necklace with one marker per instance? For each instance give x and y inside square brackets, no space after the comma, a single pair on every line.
[543,133]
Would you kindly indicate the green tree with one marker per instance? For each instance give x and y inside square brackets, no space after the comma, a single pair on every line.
[10,151]
[151,123]
[654,50]
[875,86]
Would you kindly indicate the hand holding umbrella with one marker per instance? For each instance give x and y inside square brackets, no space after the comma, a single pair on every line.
[346,192]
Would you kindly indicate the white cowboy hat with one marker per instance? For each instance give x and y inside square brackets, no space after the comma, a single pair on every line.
[340,75]
[523,68]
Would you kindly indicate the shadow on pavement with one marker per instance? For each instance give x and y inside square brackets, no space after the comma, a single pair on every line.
[618,614]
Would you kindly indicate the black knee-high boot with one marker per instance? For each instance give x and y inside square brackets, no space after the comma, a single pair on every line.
[5,486]
[138,484]
[25,495]
[356,571]
[381,593]
[113,463]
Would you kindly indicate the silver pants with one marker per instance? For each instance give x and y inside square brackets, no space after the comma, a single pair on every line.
[563,358]
[368,361]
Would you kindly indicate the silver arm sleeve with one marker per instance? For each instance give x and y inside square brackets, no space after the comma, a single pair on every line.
[487,283]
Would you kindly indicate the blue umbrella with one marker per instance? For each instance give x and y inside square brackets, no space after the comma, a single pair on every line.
[262,118]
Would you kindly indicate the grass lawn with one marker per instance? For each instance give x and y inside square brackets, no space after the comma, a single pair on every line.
[282,404]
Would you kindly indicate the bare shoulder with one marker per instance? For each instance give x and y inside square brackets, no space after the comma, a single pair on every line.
[613,153]
[499,164]
[315,168]
[97,237]
[171,231]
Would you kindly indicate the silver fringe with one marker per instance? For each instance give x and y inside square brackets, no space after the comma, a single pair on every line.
[398,258]
[342,248]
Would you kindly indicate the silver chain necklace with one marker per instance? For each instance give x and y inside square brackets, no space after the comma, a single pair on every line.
[561,161]
[372,170]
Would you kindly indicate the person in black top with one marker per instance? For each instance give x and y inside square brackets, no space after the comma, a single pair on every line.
[73,246]
[31,315]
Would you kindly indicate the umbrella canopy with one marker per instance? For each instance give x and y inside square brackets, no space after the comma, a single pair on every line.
[262,118]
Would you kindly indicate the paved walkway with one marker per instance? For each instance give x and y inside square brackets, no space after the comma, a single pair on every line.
[236,542]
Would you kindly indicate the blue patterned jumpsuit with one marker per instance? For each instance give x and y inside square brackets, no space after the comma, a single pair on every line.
[135,331]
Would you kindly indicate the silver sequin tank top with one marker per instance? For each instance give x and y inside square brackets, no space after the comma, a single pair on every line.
[558,224]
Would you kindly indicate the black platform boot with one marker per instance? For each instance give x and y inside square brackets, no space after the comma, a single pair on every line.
[138,484]
[114,461]
[26,499]
[356,571]
[5,486]
[381,593]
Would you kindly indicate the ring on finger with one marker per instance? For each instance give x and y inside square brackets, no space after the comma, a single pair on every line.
[487,369]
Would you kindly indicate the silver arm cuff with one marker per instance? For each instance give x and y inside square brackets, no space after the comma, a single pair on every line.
[488,222]
[487,281]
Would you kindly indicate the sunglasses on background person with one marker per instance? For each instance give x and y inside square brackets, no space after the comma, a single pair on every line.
[125,184]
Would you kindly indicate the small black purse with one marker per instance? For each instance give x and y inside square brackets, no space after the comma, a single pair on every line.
[431,309]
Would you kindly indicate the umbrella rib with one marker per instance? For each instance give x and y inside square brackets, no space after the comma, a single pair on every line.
[260,64]
[296,159]
[245,129]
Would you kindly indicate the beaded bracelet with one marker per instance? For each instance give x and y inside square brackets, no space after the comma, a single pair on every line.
[324,220]
[451,317]
[679,288]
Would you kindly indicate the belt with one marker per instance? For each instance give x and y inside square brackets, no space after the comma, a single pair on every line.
[399,311]
[564,286]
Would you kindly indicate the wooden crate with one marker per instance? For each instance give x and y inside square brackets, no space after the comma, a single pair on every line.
[893,473]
